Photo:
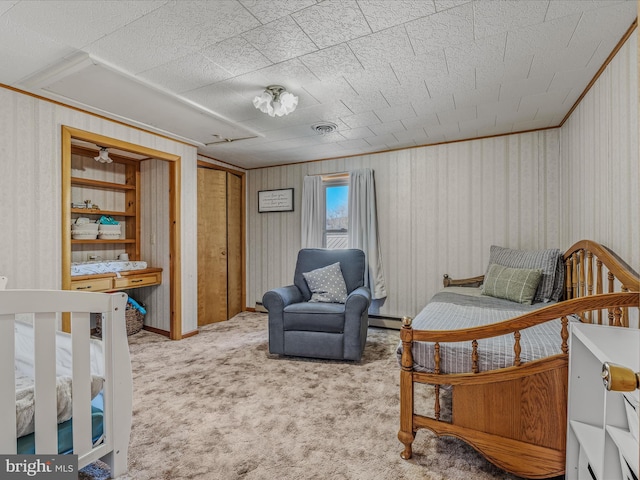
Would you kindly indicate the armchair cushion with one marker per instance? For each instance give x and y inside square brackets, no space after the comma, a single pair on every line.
[326,284]
[315,317]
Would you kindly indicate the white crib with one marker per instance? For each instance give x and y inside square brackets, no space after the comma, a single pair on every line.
[43,310]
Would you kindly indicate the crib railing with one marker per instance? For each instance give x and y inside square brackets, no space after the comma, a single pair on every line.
[44,309]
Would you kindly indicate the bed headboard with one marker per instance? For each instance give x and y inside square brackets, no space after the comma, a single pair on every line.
[593,269]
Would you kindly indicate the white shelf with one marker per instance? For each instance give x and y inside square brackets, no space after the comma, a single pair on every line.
[611,344]
[591,440]
[597,435]
[627,445]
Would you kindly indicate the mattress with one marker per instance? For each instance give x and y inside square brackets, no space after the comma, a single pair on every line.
[24,375]
[25,401]
[451,311]
[27,443]
[112,266]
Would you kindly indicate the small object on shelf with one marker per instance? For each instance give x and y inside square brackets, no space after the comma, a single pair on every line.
[88,204]
[107,220]
[90,227]
[109,236]
[84,236]
[108,231]
[109,228]
[84,231]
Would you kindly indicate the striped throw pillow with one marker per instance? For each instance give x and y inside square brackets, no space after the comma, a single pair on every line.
[546,260]
[514,284]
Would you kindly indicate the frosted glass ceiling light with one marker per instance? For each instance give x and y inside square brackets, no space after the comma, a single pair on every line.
[276,101]
[103,156]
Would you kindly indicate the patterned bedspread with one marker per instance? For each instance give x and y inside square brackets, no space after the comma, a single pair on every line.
[450,311]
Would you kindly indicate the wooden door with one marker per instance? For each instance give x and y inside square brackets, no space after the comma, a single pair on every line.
[212,246]
[220,247]
[234,244]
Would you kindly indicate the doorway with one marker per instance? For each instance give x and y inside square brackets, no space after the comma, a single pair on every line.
[221,290]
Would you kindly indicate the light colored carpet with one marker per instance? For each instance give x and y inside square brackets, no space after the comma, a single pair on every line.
[219,406]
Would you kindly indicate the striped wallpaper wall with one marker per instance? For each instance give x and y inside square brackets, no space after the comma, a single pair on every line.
[441,207]
[601,164]
[30,193]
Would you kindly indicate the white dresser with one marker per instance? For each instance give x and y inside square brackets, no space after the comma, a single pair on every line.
[600,445]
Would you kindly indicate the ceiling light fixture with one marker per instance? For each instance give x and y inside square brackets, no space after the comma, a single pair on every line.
[276,101]
[103,156]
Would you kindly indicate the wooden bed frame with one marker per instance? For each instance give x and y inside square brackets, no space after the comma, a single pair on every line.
[45,308]
[516,416]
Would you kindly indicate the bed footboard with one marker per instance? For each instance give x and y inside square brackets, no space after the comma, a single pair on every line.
[514,416]
[44,310]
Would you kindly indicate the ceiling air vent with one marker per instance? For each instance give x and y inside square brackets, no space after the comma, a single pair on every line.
[324,128]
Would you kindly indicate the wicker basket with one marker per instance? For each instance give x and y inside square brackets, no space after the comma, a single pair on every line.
[133,318]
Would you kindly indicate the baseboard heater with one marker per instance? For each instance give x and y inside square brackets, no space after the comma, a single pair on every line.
[379,321]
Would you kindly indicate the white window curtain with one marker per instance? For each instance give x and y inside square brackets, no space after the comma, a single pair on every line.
[363,227]
[312,212]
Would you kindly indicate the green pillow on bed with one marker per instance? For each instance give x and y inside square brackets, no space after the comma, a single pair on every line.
[515,284]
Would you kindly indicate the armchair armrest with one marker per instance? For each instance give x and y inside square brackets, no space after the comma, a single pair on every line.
[278,298]
[358,300]
[447,281]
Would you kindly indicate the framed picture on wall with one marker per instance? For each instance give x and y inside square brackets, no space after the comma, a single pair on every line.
[275,200]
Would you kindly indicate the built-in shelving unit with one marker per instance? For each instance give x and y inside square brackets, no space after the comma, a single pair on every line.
[600,445]
[122,198]
[150,222]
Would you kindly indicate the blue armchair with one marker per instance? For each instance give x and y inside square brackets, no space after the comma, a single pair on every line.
[299,327]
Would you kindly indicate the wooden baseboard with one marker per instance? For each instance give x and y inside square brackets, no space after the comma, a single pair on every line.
[156,330]
[190,334]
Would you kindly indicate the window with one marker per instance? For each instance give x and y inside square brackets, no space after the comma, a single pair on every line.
[336,194]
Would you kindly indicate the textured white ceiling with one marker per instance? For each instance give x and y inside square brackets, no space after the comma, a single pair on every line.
[389,73]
